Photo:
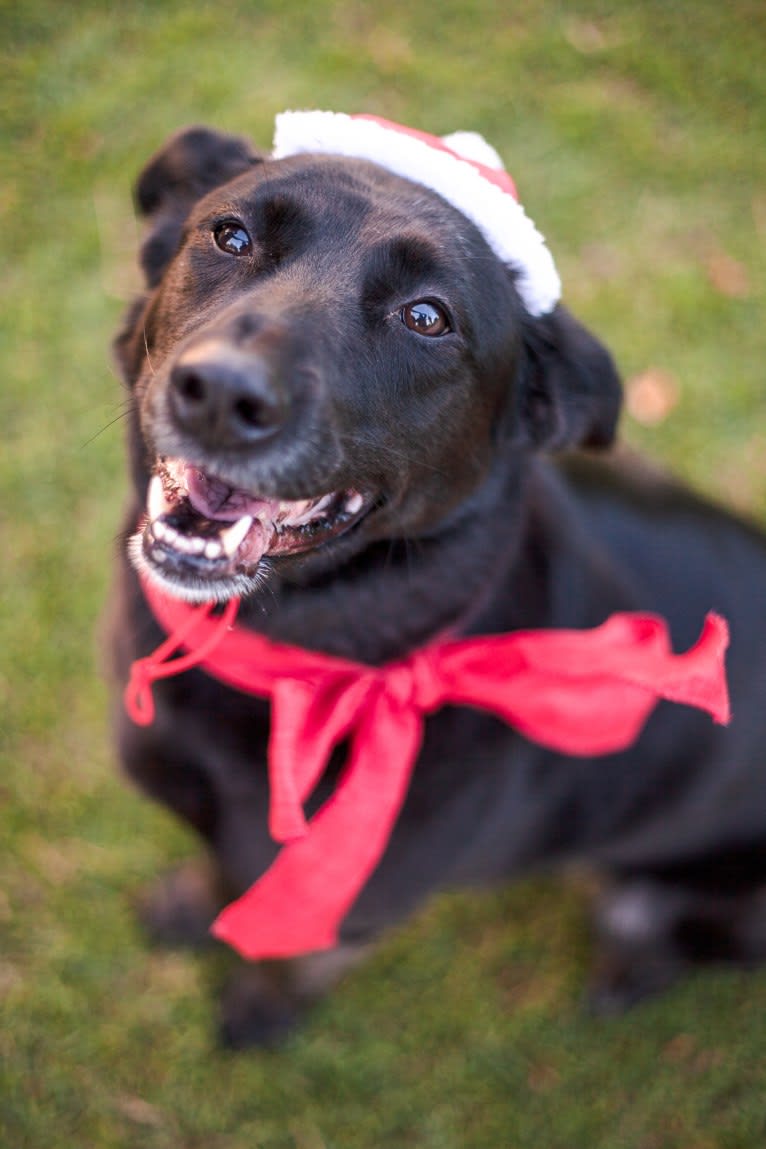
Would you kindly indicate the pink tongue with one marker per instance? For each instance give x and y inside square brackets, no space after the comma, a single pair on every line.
[216,500]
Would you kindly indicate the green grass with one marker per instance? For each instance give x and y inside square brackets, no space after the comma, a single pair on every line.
[636,134]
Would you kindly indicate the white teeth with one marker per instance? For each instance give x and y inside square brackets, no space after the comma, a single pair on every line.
[300,513]
[322,503]
[234,535]
[156,503]
[187,544]
[354,503]
[299,517]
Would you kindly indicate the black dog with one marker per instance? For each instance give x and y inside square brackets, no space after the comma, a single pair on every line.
[337,354]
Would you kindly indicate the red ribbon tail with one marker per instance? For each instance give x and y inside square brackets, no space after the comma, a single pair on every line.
[590,692]
[299,903]
[698,677]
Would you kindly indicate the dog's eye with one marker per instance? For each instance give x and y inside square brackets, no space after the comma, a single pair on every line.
[232,238]
[425,318]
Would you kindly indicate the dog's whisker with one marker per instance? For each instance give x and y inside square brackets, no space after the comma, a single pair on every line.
[146,349]
[111,423]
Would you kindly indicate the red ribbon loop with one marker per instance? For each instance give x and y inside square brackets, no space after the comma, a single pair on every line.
[144,672]
[139,700]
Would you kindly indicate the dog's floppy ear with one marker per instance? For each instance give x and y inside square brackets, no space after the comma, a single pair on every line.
[190,164]
[570,391]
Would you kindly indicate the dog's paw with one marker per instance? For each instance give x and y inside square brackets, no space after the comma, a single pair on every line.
[622,980]
[637,950]
[262,1004]
[255,1013]
[180,907]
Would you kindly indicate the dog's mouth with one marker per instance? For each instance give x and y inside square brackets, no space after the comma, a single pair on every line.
[206,539]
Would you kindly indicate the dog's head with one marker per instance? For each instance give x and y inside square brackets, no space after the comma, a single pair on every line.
[327,355]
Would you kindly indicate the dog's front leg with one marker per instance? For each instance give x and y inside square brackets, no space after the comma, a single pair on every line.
[181,905]
[261,1002]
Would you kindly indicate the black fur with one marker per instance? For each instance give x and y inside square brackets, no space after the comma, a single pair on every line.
[474,528]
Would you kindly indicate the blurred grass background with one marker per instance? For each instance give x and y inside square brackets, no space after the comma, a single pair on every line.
[636,133]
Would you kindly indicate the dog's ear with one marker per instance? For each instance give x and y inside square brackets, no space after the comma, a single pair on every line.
[189,165]
[570,392]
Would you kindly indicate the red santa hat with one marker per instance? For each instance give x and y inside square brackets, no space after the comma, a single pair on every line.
[462,168]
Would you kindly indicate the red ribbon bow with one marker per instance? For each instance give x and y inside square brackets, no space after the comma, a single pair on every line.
[579,692]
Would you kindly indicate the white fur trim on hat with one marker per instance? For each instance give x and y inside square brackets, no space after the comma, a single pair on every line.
[462,168]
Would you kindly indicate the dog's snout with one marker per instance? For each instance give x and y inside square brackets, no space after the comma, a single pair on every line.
[226,397]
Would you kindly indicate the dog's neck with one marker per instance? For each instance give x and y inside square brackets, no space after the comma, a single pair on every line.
[399,595]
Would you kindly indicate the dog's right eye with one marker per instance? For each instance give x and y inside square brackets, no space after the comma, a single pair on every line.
[426,318]
[231,237]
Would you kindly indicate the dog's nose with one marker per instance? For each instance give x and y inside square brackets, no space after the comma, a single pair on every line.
[225,397]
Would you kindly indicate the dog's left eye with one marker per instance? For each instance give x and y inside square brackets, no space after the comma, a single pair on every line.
[232,238]
[425,317]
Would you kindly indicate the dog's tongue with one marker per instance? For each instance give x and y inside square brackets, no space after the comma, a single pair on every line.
[216,500]
[252,519]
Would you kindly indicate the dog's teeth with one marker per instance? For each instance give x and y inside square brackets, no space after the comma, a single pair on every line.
[159,529]
[156,503]
[213,550]
[234,535]
[354,504]
[306,510]
[196,546]
[169,534]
